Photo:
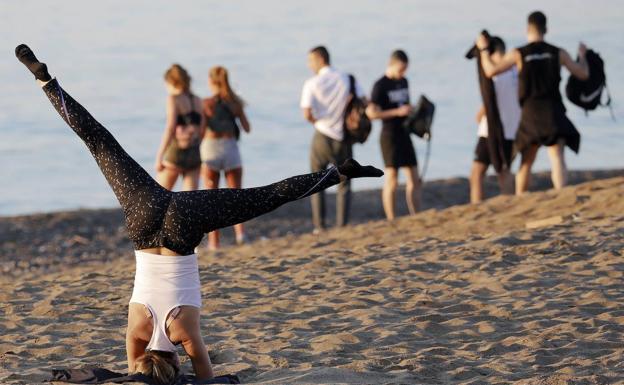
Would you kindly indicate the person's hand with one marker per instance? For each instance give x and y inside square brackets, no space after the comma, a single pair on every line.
[482,42]
[480,114]
[582,49]
[159,166]
[403,110]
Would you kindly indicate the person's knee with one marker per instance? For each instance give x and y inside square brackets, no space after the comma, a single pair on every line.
[475,178]
[412,178]
[527,160]
[529,155]
[391,182]
[315,162]
[344,187]
[390,188]
[317,165]
[234,177]
[477,171]
[212,183]
[412,184]
[556,153]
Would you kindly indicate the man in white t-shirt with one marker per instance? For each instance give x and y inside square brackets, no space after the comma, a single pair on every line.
[323,101]
[506,90]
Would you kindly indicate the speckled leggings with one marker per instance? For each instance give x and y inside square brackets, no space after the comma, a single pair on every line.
[157,217]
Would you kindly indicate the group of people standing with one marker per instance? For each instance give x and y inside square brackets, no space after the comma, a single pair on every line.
[200,137]
[524,109]
[323,101]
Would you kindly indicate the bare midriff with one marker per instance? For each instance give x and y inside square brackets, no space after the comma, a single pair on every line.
[161,251]
[218,135]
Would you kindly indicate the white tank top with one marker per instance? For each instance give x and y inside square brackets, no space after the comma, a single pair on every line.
[162,283]
[506,89]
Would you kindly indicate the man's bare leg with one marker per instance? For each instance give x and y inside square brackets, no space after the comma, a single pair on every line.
[476,181]
[558,169]
[523,178]
[389,191]
[412,189]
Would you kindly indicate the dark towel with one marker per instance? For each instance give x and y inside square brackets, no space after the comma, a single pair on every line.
[496,136]
[99,376]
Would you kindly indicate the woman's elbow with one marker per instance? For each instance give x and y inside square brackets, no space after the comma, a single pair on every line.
[245,124]
[489,73]
[169,130]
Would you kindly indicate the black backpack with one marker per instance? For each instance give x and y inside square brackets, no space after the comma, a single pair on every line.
[419,120]
[587,94]
[357,126]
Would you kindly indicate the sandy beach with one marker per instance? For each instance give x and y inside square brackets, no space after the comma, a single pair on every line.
[458,294]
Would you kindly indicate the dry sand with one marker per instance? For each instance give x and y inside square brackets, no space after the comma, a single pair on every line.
[463,295]
[47,242]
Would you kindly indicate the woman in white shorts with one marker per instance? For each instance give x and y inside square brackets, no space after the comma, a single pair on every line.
[219,148]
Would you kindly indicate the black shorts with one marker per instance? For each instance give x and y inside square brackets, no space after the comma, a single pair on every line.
[482,154]
[397,148]
[544,123]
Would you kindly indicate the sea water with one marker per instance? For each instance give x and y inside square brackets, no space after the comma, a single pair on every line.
[111,56]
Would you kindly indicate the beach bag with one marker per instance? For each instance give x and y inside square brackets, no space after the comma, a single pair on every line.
[187,135]
[357,126]
[587,94]
[211,104]
[419,120]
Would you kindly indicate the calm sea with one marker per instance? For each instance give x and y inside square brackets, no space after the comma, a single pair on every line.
[111,56]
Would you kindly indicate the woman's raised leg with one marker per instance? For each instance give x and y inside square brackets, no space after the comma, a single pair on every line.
[215,209]
[144,201]
[122,172]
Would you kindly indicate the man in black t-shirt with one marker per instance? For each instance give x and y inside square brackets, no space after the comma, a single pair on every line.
[390,102]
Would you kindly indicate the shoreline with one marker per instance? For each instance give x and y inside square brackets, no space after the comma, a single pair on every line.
[46,242]
[540,182]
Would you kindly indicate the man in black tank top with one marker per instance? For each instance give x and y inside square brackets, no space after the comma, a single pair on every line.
[543,121]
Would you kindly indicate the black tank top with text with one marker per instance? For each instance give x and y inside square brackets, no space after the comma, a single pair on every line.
[541,73]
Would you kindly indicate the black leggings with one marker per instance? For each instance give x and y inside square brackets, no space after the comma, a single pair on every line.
[157,217]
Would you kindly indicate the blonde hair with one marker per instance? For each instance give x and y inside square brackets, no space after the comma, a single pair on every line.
[159,365]
[177,76]
[220,78]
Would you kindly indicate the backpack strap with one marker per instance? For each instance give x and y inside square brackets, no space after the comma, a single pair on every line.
[192,100]
[608,102]
[352,85]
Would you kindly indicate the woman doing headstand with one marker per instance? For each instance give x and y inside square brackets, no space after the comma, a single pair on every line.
[165,227]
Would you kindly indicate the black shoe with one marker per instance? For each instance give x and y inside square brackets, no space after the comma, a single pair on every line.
[352,169]
[28,58]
